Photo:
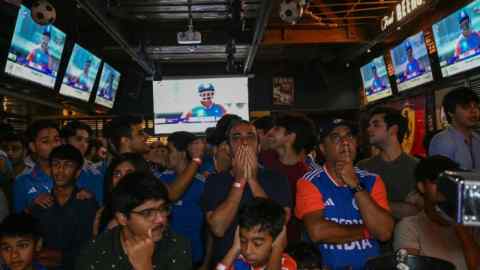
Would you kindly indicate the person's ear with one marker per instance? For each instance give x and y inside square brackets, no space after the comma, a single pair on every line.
[32,147]
[78,172]
[322,148]
[38,245]
[121,218]
[421,187]
[292,137]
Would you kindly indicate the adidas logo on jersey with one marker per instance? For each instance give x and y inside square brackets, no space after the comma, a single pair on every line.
[329,202]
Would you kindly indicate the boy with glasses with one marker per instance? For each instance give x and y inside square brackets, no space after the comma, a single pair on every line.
[142,241]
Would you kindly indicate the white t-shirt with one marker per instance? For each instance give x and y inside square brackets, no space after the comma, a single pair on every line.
[431,239]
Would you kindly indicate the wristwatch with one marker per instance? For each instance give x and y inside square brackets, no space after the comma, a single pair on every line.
[359,187]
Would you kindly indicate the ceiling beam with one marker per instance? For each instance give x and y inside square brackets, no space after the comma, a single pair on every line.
[98,14]
[260,28]
[312,36]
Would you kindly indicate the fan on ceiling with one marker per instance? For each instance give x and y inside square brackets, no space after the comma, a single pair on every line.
[293,11]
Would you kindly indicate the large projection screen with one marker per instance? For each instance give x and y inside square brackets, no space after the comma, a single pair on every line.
[196,104]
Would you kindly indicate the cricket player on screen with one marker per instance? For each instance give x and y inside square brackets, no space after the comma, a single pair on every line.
[469,39]
[377,83]
[413,67]
[208,108]
[39,57]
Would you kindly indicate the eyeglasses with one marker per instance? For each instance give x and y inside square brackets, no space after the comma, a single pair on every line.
[337,139]
[151,213]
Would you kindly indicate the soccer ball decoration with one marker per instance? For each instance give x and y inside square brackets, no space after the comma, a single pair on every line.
[291,11]
[43,12]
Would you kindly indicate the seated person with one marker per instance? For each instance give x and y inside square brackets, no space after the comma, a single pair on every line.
[431,233]
[19,243]
[260,238]
[68,222]
[143,239]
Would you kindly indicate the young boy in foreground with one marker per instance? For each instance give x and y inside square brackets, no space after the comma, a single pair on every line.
[19,243]
[260,239]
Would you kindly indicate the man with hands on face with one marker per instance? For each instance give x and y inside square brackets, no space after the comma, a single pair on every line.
[226,192]
[142,241]
[345,210]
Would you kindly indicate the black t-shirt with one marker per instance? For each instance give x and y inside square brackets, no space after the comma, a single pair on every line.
[68,227]
[217,189]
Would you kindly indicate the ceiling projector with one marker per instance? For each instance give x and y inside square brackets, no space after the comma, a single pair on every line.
[189,37]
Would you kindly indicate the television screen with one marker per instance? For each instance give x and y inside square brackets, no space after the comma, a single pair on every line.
[35,51]
[107,89]
[411,63]
[81,73]
[458,40]
[375,80]
[195,104]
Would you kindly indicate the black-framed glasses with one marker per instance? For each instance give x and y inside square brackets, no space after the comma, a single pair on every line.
[151,213]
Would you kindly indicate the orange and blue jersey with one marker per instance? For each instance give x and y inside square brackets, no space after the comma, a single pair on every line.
[465,44]
[288,263]
[317,191]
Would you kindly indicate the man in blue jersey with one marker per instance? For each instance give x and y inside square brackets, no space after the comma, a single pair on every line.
[345,210]
[34,187]
[79,134]
[377,82]
[84,80]
[208,108]
[107,91]
[187,216]
[40,57]
[413,68]
[468,42]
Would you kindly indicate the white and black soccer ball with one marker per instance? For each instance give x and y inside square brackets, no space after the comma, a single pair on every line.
[43,12]
[291,11]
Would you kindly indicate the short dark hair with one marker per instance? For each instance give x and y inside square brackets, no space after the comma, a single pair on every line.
[139,164]
[135,189]
[458,96]
[392,117]
[430,168]
[36,127]
[221,129]
[181,140]
[264,123]
[66,152]
[265,213]
[20,225]
[304,129]
[70,129]
[120,127]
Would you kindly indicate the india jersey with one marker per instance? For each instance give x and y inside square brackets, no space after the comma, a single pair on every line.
[465,44]
[317,191]
[215,110]
[413,69]
[40,58]
[377,85]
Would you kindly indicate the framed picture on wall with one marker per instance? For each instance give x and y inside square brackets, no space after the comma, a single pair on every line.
[283,91]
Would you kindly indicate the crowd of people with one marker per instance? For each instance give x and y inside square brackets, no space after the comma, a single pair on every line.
[268,194]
